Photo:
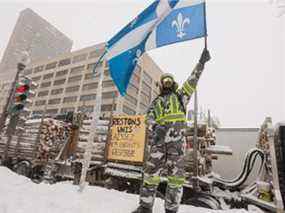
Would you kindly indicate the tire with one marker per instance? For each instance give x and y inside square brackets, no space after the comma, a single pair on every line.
[279,143]
[23,168]
[205,201]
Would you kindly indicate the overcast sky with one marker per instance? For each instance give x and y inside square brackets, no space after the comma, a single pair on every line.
[243,83]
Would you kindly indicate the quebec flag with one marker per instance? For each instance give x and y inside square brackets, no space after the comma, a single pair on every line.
[164,22]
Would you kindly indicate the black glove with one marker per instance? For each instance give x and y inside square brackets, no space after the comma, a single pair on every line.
[205,57]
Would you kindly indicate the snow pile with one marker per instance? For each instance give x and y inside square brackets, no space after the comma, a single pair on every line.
[19,195]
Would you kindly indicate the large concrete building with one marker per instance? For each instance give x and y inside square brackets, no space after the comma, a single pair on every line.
[66,84]
[36,36]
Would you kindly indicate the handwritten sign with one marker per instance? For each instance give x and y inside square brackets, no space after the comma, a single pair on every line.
[127,138]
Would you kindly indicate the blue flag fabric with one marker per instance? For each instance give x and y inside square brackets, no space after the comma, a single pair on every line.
[164,22]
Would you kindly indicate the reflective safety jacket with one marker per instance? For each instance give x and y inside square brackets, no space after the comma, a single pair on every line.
[170,108]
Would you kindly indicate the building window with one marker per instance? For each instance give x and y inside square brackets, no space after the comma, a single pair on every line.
[51,65]
[91,76]
[74,78]
[138,70]
[52,111]
[68,109]
[61,73]
[89,86]
[64,62]
[106,73]
[72,89]
[57,91]
[36,78]
[146,89]
[108,84]
[79,58]
[88,76]
[28,71]
[155,94]
[40,102]
[135,79]
[109,95]
[91,66]
[131,99]
[128,110]
[89,97]
[145,98]
[48,76]
[54,101]
[107,108]
[77,70]
[86,109]
[143,108]
[132,89]
[39,69]
[43,93]
[147,78]
[96,53]
[70,99]
[59,82]
[45,84]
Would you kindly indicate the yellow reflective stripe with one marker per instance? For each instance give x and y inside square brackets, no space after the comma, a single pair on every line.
[158,109]
[175,104]
[192,88]
[188,88]
[176,182]
[171,104]
[172,118]
[154,180]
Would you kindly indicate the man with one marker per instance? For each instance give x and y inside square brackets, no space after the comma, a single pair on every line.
[166,120]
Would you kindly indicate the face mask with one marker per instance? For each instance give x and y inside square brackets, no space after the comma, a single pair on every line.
[167,83]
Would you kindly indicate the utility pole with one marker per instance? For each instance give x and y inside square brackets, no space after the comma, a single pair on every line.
[195,142]
[279,43]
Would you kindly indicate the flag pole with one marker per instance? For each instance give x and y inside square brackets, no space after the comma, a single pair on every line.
[94,123]
[205,25]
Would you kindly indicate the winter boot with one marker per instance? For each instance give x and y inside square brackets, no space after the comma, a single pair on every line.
[170,211]
[142,209]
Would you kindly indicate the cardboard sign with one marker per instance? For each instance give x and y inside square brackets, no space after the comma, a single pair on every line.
[127,138]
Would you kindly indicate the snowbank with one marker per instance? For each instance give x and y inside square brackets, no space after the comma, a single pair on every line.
[19,195]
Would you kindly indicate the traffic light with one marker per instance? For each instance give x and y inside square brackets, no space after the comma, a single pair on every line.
[22,93]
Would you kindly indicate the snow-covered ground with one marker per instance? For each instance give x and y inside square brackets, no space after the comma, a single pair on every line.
[19,195]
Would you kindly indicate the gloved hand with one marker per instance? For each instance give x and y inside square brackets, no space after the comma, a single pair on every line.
[205,57]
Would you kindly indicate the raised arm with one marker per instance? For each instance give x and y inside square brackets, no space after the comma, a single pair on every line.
[190,84]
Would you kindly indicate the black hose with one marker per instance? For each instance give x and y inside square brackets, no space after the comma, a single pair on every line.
[246,170]
[250,169]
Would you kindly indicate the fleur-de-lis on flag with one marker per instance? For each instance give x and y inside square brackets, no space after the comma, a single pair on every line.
[180,24]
